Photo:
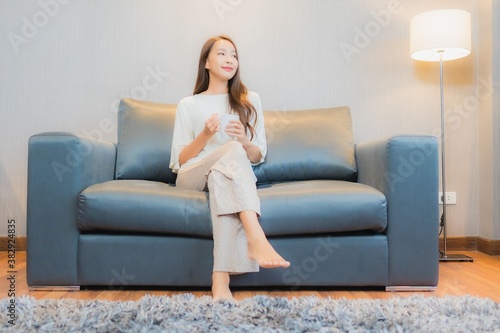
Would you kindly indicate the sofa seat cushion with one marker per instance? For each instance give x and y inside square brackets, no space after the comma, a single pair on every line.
[143,206]
[321,206]
[291,208]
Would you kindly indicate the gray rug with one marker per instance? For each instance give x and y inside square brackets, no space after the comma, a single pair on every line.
[186,313]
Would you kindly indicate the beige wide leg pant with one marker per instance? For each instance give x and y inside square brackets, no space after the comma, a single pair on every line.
[229,177]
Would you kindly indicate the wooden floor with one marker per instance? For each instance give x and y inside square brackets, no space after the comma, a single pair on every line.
[480,278]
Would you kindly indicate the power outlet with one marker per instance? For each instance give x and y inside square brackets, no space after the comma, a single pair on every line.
[451,198]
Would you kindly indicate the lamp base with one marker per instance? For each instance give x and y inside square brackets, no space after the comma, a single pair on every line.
[454,257]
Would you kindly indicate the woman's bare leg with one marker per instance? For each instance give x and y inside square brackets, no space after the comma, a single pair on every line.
[220,286]
[259,248]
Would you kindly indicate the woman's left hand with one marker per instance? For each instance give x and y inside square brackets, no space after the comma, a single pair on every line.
[236,130]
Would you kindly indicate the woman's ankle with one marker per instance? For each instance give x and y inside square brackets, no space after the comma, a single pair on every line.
[220,286]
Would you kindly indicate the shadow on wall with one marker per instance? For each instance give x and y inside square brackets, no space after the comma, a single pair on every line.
[10,205]
[457,72]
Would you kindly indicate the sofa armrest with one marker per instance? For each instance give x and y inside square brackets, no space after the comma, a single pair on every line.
[405,170]
[60,166]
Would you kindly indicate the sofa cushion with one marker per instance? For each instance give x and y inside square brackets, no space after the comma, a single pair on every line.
[145,207]
[294,208]
[144,140]
[321,206]
[308,144]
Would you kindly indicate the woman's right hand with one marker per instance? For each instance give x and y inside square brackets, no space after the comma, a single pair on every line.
[194,148]
[212,124]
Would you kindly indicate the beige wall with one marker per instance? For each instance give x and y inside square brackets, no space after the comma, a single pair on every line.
[65,64]
[485,66]
[495,221]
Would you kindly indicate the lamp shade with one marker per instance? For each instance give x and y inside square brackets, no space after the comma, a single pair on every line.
[442,33]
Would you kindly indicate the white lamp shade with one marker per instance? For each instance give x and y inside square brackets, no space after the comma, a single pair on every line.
[445,32]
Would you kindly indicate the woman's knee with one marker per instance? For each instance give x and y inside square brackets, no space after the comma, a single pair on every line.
[232,162]
[235,147]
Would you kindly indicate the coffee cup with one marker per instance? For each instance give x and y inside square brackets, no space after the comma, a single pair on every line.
[225,119]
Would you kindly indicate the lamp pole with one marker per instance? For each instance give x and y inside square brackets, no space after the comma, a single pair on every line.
[443,180]
[444,256]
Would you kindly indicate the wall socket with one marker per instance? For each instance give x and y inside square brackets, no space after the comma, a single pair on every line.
[451,198]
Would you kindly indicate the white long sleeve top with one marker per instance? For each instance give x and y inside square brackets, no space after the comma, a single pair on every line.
[190,117]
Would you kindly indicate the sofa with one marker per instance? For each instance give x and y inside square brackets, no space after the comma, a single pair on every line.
[108,215]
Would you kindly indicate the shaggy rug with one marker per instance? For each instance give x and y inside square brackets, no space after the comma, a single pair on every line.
[186,313]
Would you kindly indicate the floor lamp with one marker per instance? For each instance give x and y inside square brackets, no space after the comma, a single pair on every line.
[441,35]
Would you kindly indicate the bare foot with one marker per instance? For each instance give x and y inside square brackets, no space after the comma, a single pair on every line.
[220,287]
[266,256]
[259,248]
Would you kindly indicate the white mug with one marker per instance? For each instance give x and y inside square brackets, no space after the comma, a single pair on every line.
[224,121]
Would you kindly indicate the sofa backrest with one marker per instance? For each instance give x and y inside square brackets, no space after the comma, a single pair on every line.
[308,144]
[302,145]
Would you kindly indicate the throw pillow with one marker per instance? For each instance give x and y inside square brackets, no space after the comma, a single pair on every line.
[308,144]
[144,140]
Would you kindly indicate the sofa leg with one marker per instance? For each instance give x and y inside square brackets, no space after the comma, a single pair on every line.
[410,288]
[54,288]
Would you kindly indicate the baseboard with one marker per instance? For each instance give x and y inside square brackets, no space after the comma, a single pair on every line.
[20,243]
[467,243]
[489,246]
[471,243]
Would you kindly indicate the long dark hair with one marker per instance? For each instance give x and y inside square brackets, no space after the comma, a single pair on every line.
[237,91]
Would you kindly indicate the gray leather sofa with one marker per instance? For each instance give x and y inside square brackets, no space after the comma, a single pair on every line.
[345,215]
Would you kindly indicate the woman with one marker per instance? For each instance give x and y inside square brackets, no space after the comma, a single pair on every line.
[203,159]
